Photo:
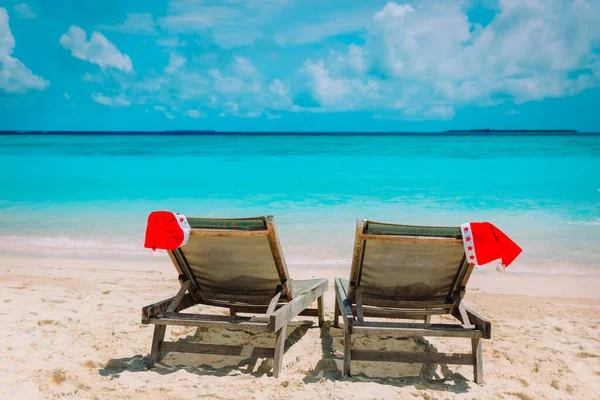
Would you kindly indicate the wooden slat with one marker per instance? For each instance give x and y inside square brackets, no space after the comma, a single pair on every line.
[227,233]
[320,311]
[336,314]
[464,317]
[240,307]
[399,313]
[178,297]
[231,297]
[310,312]
[157,341]
[412,325]
[482,323]
[182,265]
[253,309]
[273,304]
[478,360]
[412,357]
[410,332]
[290,310]
[199,348]
[357,257]
[467,275]
[413,239]
[278,257]
[455,288]
[279,348]
[399,303]
[360,316]
[211,321]
[341,294]
[161,306]
[347,349]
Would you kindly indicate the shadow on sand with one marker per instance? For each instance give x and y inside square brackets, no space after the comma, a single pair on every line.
[205,364]
[431,376]
[330,368]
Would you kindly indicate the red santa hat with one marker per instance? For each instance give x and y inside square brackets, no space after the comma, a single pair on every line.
[166,230]
[485,243]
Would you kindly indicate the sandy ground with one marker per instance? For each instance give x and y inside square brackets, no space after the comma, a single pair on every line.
[71,329]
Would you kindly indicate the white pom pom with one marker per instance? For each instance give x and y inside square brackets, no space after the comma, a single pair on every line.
[500,267]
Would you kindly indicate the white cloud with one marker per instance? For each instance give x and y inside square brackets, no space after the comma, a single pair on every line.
[279,88]
[315,32]
[393,10]
[229,23]
[244,67]
[195,114]
[113,101]
[66,96]
[15,77]
[244,78]
[356,58]
[338,93]
[439,112]
[512,112]
[427,58]
[25,11]
[525,52]
[98,50]
[136,23]
[327,90]
[423,43]
[175,62]
[230,108]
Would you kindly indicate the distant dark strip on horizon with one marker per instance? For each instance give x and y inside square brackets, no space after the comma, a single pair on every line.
[224,133]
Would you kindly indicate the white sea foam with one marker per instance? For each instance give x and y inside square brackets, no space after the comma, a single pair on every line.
[594,222]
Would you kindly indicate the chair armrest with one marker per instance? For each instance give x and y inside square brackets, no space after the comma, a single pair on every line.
[153,310]
[288,311]
[341,297]
[481,323]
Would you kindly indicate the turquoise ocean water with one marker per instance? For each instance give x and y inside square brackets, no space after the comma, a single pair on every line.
[89,196]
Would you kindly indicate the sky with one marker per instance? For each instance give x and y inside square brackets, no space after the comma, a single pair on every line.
[283,65]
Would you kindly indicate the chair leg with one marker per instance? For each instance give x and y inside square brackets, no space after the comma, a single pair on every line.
[157,339]
[478,360]
[279,347]
[320,310]
[336,315]
[347,349]
[232,312]
[428,319]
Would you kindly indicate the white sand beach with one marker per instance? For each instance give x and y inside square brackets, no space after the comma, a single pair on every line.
[71,329]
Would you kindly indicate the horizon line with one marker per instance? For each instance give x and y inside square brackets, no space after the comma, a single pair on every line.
[453,132]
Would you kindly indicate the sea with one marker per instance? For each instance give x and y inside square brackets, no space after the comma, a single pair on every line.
[88,195]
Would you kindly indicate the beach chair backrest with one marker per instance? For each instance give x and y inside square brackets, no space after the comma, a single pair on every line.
[404,264]
[239,257]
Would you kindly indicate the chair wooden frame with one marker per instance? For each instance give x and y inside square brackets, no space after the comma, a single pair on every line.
[278,309]
[353,307]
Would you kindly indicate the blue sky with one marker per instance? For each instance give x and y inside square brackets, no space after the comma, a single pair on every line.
[299,65]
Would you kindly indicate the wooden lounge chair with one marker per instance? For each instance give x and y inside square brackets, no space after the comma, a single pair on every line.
[408,272]
[237,264]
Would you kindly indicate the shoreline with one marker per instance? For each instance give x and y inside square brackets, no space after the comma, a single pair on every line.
[483,279]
